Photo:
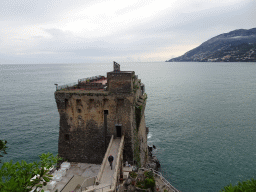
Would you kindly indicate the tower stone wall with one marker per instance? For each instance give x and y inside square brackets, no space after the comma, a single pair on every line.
[83,136]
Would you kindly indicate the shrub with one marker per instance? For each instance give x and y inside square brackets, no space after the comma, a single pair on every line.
[150,183]
[133,174]
[149,174]
[248,186]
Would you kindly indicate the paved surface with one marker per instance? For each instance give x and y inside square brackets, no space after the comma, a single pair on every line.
[83,170]
[107,172]
[107,175]
[73,183]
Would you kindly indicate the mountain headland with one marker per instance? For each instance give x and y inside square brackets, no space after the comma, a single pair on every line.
[235,46]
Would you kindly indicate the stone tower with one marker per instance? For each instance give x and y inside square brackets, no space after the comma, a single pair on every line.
[98,107]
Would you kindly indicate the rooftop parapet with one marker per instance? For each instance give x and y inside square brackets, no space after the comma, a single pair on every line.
[117,81]
[120,81]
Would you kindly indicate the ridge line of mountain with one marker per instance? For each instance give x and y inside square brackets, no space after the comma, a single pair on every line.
[236,46]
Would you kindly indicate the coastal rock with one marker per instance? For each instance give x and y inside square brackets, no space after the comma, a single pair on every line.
[153,163]
[152,166]
[156,161]
[131,188]
[128,182]
[122,189]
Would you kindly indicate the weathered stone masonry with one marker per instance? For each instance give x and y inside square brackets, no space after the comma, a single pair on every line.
[83,136]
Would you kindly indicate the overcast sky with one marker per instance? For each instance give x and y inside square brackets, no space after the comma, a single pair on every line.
[86,31]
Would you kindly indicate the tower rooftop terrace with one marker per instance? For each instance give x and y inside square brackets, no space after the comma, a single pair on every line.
[91,83]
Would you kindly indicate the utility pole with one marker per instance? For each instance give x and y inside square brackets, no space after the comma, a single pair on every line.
[105,127]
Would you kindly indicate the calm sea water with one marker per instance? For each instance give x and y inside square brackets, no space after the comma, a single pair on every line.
[201,116]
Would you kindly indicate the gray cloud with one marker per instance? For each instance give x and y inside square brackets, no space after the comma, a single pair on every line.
[188,26]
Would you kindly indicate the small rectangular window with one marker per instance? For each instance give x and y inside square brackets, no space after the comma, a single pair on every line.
[66,137]
[106,112]
[79,110]
[66,103]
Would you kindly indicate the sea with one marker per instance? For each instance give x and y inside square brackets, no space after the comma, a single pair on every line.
[201,116]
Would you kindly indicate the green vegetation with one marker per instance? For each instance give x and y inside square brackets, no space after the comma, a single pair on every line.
[17,176]
[245,186]
[146,96]
[3,147]
[138,110]
[135,88]
[138,115]
[149,174]
[133,75]
[149,181]
[146,155]
[136,151]
[133,174]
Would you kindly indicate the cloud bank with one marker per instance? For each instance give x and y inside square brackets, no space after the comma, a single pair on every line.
[62,31]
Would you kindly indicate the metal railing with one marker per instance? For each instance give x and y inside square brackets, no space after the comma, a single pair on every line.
[104,160]
[118,162]
[90,78]
[70,85]
[65,86]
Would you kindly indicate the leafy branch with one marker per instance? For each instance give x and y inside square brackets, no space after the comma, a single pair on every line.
[17,176]
[3,147]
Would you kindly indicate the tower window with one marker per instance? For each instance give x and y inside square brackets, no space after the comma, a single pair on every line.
[105,112]
[66,103]
[79,110]
[66,137]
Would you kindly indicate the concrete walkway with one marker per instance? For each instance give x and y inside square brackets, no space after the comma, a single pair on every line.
[107,172]
[107,175]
